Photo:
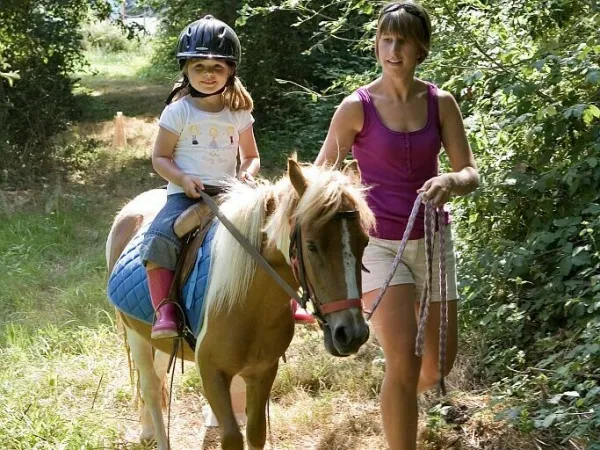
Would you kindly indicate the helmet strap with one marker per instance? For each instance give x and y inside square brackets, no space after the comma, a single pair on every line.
[196,93]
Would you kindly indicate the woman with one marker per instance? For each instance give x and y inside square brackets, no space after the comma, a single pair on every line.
[395,127]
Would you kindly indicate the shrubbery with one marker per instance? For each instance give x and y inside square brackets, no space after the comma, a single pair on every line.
[40,42]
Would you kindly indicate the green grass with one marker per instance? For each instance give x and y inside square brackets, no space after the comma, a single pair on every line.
[125,81]
[64,378]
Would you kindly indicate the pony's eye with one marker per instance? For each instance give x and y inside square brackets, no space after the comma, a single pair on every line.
[312,247]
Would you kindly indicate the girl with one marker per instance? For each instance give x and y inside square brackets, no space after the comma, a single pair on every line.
[193,150]
[395,127]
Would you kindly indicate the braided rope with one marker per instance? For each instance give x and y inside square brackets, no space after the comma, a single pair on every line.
[433,215]
[409,227]
[430,215]
[443,305]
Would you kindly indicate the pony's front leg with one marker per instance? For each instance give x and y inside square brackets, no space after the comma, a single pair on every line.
[259,389]
[161,363]
[216,385]
[150,385]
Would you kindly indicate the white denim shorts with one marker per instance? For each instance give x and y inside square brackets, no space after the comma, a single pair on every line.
[379,256]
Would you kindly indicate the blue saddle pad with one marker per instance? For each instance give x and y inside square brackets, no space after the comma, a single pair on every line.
[128,285]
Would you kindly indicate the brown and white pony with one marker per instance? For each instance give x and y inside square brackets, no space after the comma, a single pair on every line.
[248,324]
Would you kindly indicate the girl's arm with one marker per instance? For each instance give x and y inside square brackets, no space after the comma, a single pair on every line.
[464,177]
[162,161]
[249,158]
[346,123]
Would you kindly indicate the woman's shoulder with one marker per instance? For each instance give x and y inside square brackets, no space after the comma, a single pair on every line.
[351,107]
[447,103]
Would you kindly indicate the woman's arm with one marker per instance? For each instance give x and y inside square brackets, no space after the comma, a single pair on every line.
[346,123]
[464,177]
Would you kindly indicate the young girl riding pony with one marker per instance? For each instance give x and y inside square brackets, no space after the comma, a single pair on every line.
[200,136]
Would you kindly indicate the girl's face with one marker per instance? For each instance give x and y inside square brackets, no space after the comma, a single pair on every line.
[207,75]
[397,55]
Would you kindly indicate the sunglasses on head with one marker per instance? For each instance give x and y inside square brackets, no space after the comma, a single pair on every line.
[411,9]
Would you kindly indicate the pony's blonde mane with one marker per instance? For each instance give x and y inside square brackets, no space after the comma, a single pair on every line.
[232,268]
[327,190]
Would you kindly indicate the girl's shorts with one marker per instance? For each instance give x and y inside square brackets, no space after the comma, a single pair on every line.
[379,256]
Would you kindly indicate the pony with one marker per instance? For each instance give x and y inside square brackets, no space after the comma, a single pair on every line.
[314,221]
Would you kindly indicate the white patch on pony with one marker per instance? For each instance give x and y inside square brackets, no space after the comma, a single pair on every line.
[147,204]
[349,262]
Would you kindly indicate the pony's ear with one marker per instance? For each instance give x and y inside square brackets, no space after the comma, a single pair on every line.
[351,170]
[296,177]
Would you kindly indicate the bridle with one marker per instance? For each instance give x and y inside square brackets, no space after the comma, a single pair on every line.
[297,262]
[298,266]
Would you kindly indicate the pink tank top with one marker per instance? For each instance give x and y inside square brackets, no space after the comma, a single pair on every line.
[395,164]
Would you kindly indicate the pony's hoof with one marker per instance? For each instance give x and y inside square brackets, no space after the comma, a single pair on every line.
[147,437]
[210,420]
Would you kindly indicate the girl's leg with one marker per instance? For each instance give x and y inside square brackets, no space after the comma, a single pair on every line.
[159,283]
[395,327]
[159,252]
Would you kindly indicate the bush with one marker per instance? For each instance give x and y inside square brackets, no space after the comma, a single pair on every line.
[42,42]
[107,36]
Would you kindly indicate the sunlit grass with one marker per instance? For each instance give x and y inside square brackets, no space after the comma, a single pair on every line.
[64,376]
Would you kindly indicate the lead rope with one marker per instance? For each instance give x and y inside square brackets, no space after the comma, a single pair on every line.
[431,214]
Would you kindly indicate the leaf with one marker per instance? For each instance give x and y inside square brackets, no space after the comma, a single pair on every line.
[593,77]
[549,420]
[590,113]
[556,399]
[565,266]
[581,259]
[567,222]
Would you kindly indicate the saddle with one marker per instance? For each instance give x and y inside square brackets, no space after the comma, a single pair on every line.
[191,226]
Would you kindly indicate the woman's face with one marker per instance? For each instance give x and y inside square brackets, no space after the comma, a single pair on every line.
[208,75]
[396,54]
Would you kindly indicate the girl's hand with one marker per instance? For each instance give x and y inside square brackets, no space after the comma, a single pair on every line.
[437,190]
[247,178]
[191,185]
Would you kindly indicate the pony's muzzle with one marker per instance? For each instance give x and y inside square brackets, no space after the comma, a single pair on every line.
[349,331]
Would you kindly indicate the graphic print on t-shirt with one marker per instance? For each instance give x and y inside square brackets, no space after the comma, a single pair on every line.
[216,142]
[195,132]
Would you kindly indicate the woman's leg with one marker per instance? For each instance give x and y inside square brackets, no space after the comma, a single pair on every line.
[395,327]
[430,373]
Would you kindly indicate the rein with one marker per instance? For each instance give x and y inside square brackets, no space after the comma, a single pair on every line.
[432,214]
[297,264]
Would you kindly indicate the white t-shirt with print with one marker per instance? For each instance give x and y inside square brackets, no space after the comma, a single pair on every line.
[208,142]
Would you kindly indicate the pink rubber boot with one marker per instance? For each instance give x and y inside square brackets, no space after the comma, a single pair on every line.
[300,314]
[159,282]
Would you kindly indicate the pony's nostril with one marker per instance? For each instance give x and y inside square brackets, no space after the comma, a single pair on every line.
[342,336]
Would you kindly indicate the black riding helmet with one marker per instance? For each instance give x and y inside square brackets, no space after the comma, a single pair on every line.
[209,38]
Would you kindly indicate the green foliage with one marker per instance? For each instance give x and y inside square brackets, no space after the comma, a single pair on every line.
[40,48]
[526,74]
[107,37]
